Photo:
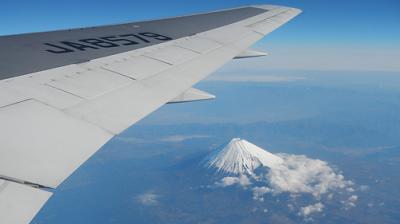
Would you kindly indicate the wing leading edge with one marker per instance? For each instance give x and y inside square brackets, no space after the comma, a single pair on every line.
[57,114]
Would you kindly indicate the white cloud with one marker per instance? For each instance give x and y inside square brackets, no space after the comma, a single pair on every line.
[181,138]
[253,78]
[351,202]
[324,58]
[296,175]
[242,180]
[148,199]
[311,209]
[132,140]
[259,192]
[350,189]
[227,181]
[300,174]
[172,138]
[299,177]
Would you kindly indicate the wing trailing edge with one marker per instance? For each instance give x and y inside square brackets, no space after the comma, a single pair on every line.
[19,203]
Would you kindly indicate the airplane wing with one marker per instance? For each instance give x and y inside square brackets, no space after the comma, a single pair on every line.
[64,94]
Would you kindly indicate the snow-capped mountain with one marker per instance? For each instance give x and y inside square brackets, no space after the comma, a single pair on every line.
[242,157]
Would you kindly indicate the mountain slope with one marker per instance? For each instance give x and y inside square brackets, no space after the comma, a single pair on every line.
[242,157]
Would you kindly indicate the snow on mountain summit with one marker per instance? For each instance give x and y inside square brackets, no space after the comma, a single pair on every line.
[242,157]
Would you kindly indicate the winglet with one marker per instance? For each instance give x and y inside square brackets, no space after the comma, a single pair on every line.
[191,95]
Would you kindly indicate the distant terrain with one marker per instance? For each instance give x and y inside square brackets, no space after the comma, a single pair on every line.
[153,172]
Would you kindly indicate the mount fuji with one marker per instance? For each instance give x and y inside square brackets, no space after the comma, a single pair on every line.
[242,157]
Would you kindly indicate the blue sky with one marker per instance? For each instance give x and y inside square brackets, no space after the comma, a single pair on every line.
[364,30]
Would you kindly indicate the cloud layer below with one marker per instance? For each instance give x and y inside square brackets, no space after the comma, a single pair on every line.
[253,78]
[298,175]
[147,199]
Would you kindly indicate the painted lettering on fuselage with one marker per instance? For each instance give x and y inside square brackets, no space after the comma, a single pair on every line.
[97,43]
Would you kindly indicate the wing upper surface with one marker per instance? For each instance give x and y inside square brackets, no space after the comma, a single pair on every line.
[54,120]
[41,51]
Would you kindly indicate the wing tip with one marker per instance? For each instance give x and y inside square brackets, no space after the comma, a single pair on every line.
[271,7]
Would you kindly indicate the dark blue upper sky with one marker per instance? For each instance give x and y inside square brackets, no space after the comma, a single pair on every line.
[372,25]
